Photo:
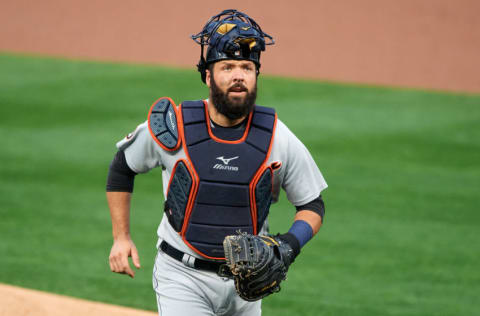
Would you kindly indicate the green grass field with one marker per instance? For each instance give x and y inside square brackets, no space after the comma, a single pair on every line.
[402,231]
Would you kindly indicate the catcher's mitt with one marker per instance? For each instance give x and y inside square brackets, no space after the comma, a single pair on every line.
[258,263]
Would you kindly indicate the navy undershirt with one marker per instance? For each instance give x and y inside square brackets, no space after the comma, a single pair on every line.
[229,133]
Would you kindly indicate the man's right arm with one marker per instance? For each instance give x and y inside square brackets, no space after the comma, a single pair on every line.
[119,190]
[123,246]
[143,154]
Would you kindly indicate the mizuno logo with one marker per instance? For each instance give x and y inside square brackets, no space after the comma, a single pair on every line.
[225,165]
[226,160]
[219,166]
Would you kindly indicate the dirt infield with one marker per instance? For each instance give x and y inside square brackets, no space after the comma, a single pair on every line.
[16,301]
[416,43]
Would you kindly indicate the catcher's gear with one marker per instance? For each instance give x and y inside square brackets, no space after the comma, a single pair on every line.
[258,263]
[220,188]
[230,34]
[162,124]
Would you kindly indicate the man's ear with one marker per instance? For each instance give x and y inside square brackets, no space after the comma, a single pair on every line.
[207,77]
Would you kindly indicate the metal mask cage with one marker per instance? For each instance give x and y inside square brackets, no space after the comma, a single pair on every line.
[203,37]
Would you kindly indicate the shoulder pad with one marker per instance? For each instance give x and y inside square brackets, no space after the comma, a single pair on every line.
[163,124]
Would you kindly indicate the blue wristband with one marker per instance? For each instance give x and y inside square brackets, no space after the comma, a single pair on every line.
[302,231]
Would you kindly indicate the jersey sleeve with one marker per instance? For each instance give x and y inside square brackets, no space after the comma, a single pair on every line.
[302,180]
[140,150]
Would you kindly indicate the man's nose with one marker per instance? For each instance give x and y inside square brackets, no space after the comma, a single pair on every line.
[238,74]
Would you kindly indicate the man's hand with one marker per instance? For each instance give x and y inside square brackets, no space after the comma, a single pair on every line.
[121,250]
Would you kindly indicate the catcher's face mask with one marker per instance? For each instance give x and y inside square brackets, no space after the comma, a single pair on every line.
[230,35]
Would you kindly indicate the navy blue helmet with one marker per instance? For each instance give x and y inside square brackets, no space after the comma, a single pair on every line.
[231,34]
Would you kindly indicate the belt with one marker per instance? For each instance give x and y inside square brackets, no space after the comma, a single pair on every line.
[219,267]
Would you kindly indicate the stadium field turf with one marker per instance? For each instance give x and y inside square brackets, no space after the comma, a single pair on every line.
[401,235]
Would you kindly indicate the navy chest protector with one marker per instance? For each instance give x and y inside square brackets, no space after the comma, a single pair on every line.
[223,186]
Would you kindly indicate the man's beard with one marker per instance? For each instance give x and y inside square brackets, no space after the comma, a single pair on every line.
[233,108]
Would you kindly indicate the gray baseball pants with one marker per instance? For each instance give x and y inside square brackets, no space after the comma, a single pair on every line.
[184,291]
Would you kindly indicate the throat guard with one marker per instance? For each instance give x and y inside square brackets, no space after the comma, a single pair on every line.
[223,186]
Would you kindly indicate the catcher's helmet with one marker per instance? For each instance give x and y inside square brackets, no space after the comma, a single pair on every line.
[230,34]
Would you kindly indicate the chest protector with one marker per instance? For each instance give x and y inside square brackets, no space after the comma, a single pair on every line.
[223,186]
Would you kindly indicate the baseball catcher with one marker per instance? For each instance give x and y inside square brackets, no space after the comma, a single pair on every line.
[224,161]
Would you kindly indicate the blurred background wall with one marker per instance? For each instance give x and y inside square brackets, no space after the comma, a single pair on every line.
[433,44]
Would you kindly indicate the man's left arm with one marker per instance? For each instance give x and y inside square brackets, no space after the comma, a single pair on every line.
[303,184]
[306,224]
